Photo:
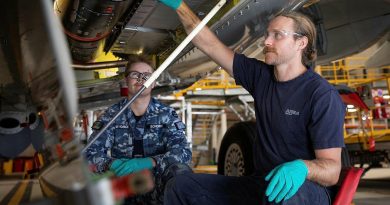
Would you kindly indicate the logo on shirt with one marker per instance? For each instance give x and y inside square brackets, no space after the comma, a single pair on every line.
[291,112]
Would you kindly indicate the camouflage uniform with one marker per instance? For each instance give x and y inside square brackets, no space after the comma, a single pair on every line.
[161,132]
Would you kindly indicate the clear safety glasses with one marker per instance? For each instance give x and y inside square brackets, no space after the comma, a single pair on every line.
[137,75]
[280,34]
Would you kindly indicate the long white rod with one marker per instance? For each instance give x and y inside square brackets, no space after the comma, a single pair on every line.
[183,44]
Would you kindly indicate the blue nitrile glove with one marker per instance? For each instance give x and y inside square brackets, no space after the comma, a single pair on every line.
[174,4]
[286,180]
[131,165]
[116,164]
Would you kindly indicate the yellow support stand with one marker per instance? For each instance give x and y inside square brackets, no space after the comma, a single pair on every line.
[7,166]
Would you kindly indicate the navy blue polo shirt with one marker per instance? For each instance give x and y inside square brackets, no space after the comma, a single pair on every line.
[294,117]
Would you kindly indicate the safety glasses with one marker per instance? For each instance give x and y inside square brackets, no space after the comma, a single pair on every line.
[280,34]
[137,75]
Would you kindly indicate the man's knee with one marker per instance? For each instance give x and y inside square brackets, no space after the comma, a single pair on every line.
[178,188]
[175,170]
[309,193]
[176,183]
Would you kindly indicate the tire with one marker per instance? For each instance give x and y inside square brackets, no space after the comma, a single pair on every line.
[235,157]
[345,159]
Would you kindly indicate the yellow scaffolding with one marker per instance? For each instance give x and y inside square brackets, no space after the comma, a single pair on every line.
[349,71]
[218,80]
[352,72]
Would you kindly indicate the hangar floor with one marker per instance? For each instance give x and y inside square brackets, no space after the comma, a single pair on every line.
[374,188]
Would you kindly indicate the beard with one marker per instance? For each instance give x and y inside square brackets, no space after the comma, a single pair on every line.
[272,57]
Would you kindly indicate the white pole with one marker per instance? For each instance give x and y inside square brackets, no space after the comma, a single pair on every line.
[214,141]
[183,44]
[189,123]
[222,130]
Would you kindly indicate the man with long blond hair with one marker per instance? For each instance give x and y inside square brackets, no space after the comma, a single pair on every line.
[299,118]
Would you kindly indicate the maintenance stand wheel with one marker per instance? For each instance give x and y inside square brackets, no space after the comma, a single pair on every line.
[235,157]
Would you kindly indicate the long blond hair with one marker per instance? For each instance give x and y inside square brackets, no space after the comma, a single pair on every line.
[304,26]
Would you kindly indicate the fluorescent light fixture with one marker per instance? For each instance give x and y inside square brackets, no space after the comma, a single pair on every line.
[352,110]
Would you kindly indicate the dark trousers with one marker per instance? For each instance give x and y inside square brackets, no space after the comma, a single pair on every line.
[155,197]
[217,189]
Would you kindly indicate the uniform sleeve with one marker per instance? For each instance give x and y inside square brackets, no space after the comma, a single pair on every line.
[327,122]
[247,71]
[97,153]
[177,147]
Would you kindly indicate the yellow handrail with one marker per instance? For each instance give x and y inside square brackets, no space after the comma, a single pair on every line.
[218,80]
[351,71]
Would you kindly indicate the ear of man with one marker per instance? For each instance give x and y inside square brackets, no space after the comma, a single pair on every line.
[303,42]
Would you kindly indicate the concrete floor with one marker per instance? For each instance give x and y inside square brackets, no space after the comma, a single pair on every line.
[374,188]
[14,192]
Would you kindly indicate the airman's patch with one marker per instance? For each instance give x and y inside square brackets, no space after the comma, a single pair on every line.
[180,125]
[97,125]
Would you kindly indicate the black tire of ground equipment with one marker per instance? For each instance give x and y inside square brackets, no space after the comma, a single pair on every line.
[242,133]
[345,160]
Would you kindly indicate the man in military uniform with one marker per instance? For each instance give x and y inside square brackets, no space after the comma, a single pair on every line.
[148,135]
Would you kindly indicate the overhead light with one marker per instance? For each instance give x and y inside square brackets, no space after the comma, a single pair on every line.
[198,88]
[350,106]
[352,110]
[386,97]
